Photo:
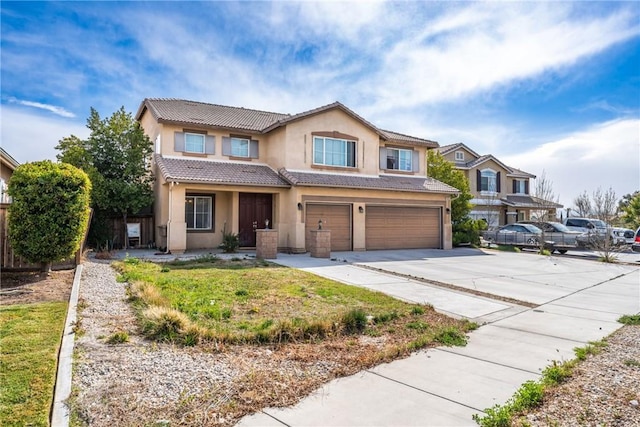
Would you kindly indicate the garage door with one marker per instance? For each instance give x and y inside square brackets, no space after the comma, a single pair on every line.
[394,227]
[336,218]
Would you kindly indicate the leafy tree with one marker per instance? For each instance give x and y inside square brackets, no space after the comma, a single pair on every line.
[464,228]
[115,156]
[444,171]
[629,206]
[50,210]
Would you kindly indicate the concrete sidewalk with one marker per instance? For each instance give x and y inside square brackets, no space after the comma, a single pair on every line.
[579,301]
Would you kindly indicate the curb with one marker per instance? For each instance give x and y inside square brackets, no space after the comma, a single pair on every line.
[62,392]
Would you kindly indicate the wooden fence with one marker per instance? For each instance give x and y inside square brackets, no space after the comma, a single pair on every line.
[147,233]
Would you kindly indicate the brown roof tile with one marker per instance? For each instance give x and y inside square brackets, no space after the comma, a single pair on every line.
[212,172]
[398,137]
[529,201]
[383,182]
[203,114]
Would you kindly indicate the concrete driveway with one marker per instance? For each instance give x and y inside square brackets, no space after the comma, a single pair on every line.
[555,304]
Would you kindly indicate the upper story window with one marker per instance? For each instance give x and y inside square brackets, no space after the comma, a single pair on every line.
[4,196]
[334,152]
[194,142]
[399,159]
[240,146]
[197,212]
[520,186]
[459,156]
[488,181]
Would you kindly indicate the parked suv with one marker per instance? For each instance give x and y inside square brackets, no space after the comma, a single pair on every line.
[586,225]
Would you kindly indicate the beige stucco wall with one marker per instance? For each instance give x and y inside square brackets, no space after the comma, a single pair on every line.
[489,164]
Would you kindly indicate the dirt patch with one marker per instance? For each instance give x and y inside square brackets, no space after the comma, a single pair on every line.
[34,287]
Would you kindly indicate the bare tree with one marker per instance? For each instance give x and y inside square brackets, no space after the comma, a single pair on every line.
[492,203]
[546,202]
[583,204]
[545,199]
[605,208]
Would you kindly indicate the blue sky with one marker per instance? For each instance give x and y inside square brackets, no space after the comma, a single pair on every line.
[551,86]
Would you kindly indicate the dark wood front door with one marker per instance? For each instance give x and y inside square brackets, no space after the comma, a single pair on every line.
[255,209]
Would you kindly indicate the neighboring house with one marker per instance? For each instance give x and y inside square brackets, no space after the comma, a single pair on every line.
[7,165]
[501,194]
[220,167]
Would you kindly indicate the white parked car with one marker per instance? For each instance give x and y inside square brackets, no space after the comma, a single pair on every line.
[622,236]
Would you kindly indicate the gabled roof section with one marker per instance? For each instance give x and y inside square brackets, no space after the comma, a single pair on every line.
[512,172]
[383,182]
[8,160]
[213,172]
[313,112]
[517,173]
[180,111]
[406,139]
[446,149]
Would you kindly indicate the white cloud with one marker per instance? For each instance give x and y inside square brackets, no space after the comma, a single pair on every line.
[60,111]
[605,155]
[486,45]
[29,137]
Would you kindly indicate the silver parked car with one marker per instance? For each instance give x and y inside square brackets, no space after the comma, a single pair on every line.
[563,239]
[514,234]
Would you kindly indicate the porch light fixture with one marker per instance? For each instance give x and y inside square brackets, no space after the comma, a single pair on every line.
[448,210]
[360,209]
[299,206]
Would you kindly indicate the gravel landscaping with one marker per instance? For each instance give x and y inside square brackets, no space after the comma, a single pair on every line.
[603,391]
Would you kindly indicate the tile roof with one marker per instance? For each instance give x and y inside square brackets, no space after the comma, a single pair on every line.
[203,114]
[520,173]
[527,201]
[212,172]
[169,110]
[446,149]
[383,182]
[398,137]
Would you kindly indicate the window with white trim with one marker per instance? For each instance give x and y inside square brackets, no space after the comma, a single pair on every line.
[194,142]
[488,180]
[198,212]
[334,152]
[399,159]
[239,147]
[459,156]
[519,186]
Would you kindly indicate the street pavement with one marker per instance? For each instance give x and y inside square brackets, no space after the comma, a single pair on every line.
[574,301]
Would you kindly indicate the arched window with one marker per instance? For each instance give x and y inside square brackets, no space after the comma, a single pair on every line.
[488,180]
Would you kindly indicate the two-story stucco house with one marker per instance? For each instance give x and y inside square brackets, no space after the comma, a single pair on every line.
[219,167]
[501,193]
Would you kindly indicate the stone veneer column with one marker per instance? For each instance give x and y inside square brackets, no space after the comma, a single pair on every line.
[320,245]
[266,244]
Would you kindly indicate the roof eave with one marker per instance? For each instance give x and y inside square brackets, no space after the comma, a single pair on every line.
[225,183]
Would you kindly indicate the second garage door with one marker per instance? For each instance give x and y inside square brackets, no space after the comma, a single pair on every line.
[336,218]
[396,227]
